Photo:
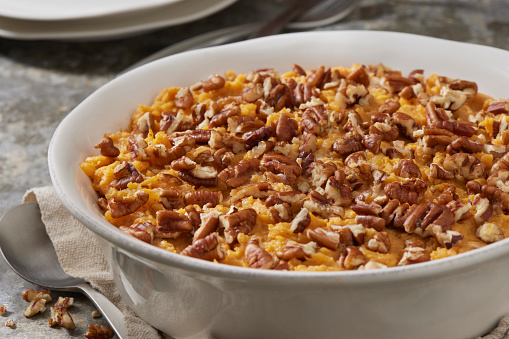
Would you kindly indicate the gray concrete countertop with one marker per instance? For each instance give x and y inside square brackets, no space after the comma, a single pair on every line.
[42,81]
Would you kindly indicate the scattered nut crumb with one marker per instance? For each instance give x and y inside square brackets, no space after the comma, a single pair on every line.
[59,314]
[3,309]
[10,323]
[96,314]
[96,331]
[37,300]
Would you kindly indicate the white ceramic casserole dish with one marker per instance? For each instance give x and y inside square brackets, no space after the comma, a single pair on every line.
[457,297]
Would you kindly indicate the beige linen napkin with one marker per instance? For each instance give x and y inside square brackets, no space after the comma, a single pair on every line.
[81,256]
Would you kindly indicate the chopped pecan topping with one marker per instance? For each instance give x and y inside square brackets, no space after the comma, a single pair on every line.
[462,144]
[370,221]
[338,190]
[240,173]
[252,93]
[137,233]
[324,238]
[438,172]
[286,128]
[359,75]
[221,118]
[498,107]
[209,223]
[238,222]
[314,120]
[406,192]
[183,163]
[120,207]
[448,195]
[499,179]
[295,250]
[96,331]
[465,165]
[184,98]
[190,177]
[255,137]
[351,258]
[379,243]
[414,255]
[309,141]
[372,142]
[213,82]
[281,212]
[257,257]
[282,165]
[407,169]
[279,97]
[171,224]
[3,309]
[489,233]
[497,195]
[301,93]
[123,174]
[59,314]
[406,124]
[301,221]
[208,248]
[260,190]
[395,82]
[10,323]
[484,210]
[348,144]
[363,208]
[107,148]
[460,210]
[203,198]
[389,107]
[223,140]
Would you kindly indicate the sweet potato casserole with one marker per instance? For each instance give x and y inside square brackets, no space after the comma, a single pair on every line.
[326,169]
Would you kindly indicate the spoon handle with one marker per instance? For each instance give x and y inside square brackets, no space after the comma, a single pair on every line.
[107,308]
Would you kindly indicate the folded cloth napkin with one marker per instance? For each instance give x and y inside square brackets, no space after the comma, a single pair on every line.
[81,256]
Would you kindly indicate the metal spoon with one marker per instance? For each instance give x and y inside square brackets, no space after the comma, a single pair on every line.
[324,13]
[21,228]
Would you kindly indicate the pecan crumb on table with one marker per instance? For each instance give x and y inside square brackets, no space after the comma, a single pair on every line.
[311,170]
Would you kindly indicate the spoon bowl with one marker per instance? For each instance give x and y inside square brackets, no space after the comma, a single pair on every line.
[29,252]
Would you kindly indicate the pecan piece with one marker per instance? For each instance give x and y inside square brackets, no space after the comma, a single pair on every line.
[209,223]
[395,82]
[184,98]
[285,166]
[252,93]
[407,169]
[137,233]
[120,207]
[389,106]
[387,132]
[208,248]
[59,314]
[107,148]
[240,173]
[286,128]
[213,82]
[96,331]
[279,97]
[295,250]
[171,224]
[498,107]
[123,174]
[309,141]
[324,238]
[170,198]
[465,165]
[489,233]
[438,172]
[189,177]
[348,144]
[499,179]
[238,222]
[301,93]
[253,138]
[338,190]
[221,118]
[321,172]
[405,123]
[414,254]
[37,300]
[483,208]
[370,221]
[259,190]
[301,221]
[202,198]
[183,163]
[351,258]
[362,208]
[462,144]
[220,140]
[360,76]
[372,142]
[3,309]
[497,195]
[407,192]
[351,235]
[314,120]
[379,243]
[257,257]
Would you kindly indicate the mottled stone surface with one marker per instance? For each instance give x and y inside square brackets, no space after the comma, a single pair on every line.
[42,81]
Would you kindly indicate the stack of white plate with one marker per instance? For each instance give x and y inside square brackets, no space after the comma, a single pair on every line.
[97,19]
